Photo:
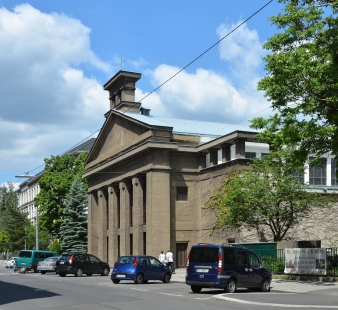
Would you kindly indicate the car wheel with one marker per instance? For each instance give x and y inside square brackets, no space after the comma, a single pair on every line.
[139,278]
[89,274]
[116,281]
[196,289]
[105,271]
[43,272]
[22,269]
[231,286]
[167,278]
[265,287]
[78,272]
[62,274]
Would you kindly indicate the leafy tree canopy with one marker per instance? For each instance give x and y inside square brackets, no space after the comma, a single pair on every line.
[8,197]
[73,232]
[55,183]
[266,198]
[302,79]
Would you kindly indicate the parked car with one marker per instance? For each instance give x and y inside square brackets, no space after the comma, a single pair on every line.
[140,269]
[10,262]
[28,259]
[227,267]
[47,265]
[78,263]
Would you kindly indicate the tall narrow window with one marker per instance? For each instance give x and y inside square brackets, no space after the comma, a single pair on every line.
[131,244]
[107,249]
[107,215]
[144,243]
[118,246]
[181,193]
[317,174]
[144,205]
[334,172]
[118,210]
[131,198]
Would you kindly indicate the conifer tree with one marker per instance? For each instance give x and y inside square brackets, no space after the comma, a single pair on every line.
[73,232]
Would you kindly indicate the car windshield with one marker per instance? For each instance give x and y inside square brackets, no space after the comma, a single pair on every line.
[25,254]
[204,255]
[126,260]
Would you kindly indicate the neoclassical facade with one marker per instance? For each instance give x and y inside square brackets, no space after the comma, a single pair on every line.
[149,177]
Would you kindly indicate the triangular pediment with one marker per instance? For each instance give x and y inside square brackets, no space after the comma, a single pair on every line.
[118,134]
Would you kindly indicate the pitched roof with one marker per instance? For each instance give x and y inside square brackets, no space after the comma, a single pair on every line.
[191,127]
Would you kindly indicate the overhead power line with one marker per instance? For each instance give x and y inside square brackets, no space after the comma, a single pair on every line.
[211,47]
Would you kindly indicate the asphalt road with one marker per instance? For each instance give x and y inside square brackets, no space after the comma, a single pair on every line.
[36,291]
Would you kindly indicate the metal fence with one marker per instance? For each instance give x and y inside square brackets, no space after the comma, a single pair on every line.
[274,260]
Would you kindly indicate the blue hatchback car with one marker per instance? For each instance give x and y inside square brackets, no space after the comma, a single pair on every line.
[140,269]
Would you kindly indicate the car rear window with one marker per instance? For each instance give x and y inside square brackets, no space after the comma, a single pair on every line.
[204,255]
[64,257]
[126,260]
[25,254]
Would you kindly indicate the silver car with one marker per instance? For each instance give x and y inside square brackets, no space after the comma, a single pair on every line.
[10,262]
[47,265]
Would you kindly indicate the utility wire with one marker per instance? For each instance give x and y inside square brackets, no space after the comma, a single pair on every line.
[190,63]
[211,47]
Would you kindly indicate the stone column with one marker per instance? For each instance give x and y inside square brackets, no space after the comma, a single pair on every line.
[102,224]
[159,234]
[113,192]
[92,223]
[213,157]
[240,147]
[137,215]
[124,214]
[226,152]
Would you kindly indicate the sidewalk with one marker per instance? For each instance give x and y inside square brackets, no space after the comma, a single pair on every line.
[276,284]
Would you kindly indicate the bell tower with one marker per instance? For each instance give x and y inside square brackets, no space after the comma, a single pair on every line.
[121,89]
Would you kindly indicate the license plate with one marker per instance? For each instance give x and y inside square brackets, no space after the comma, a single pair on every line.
[23,263]
[120,276]
[61,263]
[203,270]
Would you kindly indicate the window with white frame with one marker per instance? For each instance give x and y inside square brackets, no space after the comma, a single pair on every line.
[317,173]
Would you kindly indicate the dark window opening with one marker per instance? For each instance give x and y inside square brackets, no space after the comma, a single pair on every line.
[131,198]
[131,244]
[250,155]
[181,193]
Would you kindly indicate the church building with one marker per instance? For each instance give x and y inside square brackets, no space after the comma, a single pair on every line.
[149,176]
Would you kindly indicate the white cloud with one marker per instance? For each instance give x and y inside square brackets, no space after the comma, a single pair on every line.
[211,96]
[47,103]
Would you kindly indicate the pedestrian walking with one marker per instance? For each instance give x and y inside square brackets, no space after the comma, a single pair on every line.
[170,261]
[161,258]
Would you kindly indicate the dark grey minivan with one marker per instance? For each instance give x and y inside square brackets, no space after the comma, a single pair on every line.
[227,267]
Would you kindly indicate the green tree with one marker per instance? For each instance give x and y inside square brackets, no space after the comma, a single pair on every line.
[55,183]
[73,232]
[301,79]
[44,237]
[55,246]
[8,197]
[267,198]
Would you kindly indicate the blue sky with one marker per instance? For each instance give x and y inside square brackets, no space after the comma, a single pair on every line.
[55,57]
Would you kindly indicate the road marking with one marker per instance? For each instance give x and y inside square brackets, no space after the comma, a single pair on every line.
[138,289]
[170,294]
[204,298]
[220,297]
